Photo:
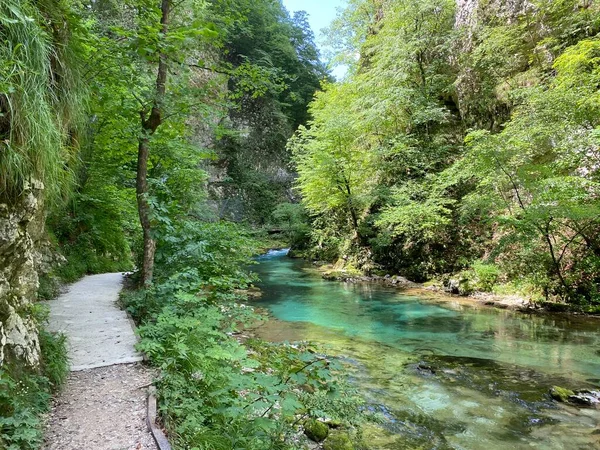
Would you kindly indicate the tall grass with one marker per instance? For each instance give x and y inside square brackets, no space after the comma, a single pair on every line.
[40,96]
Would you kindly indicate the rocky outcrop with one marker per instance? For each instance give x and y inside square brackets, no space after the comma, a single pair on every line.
[465,12]
[479,86]
[471,12]
[21,228]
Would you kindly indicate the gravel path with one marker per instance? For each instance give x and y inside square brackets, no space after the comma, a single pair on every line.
[103,404]
[102,409]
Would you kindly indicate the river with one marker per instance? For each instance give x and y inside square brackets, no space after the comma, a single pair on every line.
[445,374]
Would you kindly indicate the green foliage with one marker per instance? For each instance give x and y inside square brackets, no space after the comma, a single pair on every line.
[214,390]
[49,286]
[417,214]
[40,95]
[22,400]
[422,161]
[481,277]
[95,231]
[275,71]
[294,223]
[538,184]
[25,394]
[55,363]
[365,159]
[486,276]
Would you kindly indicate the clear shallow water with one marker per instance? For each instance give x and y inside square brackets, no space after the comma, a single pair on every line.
[445,375]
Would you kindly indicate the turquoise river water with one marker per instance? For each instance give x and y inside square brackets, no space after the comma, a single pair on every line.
[444,374]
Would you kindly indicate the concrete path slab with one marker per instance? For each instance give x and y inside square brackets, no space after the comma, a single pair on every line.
[98,332]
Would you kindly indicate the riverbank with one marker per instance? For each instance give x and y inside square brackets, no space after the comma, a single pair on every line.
[430,365]
[450,292]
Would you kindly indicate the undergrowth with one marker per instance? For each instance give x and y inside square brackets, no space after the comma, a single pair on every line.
[217,390]
[25,394]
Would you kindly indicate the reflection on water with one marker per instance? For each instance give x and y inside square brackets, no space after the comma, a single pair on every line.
[444,374]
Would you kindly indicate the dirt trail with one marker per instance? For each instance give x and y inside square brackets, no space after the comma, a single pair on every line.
[103,404]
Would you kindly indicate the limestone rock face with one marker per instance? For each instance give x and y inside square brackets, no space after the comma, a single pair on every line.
[21,228]
[465,12]
[471,12]
[471,16]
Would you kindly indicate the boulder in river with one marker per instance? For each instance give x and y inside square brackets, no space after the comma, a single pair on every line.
[587,398]
[425,369]
[561,394]
[582,397]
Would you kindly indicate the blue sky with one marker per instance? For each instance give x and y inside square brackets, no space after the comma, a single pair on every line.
[321,13]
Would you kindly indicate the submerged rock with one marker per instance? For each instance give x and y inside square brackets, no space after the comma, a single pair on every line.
[587,398]
[316,430]
[561,394]
[425,368]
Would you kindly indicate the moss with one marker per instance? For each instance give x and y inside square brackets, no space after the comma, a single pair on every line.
[315,430]
[338,440]
[560,394]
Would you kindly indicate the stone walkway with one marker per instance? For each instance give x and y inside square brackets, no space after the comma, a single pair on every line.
[103,404]
[99,333]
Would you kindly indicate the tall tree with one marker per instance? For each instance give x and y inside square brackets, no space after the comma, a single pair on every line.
[150,121]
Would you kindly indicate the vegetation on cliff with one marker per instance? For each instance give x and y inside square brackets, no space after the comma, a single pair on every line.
[461,140]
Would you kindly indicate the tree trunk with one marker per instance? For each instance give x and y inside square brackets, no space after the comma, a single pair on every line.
[147,268]
[568,293]
[353,214]
[149,125]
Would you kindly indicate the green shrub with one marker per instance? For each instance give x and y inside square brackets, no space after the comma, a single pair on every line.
[214,391]
[486,276]
[23,398]
[25,394]
[55,362]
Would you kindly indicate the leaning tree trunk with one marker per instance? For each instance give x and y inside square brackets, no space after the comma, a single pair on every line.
[150,122]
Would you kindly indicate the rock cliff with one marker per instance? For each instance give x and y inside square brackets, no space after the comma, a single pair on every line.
[21,228]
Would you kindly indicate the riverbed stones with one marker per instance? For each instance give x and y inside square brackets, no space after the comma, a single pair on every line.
[590,399]
[582,397]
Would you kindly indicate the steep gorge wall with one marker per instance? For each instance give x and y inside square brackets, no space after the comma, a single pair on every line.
[471,12]
[21,229]
[479,83]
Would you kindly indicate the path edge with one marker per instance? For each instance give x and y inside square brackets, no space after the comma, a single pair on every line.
[162,443]
[159,437]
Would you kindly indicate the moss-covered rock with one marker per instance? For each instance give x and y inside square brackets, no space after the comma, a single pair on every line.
[315,430]
[560,394]
[338,440]
[21,231]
